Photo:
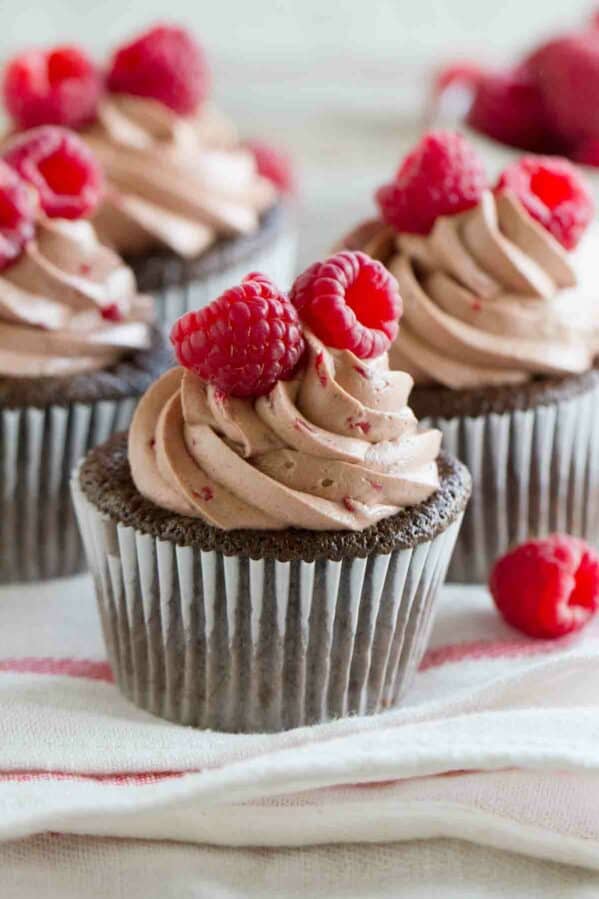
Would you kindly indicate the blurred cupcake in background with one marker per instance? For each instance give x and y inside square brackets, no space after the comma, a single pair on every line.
[546,102]
[278,521]
[500,332]
[186,202]
[77,346]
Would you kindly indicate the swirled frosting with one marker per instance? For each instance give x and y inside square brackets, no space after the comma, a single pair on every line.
[68,305]
[172,182]
[490,297]
[336,449]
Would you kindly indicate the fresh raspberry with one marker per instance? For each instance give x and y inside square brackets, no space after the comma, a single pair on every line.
[17,215]
[351,302]
[245,341]
[164,63]
[547,588]
[554,192]
[59,86]
[441,176]
[273,164]
[60,167]
[587,152]
[509,107]
[567,72]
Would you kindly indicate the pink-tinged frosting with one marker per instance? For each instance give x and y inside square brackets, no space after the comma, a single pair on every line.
[336,449]
[68,305]
[173,182]
[490,297]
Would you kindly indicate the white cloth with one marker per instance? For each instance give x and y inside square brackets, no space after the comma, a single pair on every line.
[497,743]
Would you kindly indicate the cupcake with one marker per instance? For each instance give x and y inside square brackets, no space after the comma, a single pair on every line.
[268,543]
[500,333]
[185,204]
[77,347]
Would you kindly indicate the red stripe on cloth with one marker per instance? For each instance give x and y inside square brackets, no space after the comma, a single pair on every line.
[487,649]
[136,778]
[85,668]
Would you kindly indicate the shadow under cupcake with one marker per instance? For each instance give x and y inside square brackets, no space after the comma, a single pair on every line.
[500,333]
[77,347]
[268,544]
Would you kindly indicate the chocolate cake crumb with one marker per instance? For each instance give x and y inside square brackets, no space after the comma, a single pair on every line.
[105,479]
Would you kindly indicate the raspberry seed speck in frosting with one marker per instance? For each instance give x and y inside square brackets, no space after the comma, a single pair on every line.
[68,304]
[496,291]
[330,445]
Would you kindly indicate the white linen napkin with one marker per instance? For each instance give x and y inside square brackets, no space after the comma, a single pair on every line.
[497,743]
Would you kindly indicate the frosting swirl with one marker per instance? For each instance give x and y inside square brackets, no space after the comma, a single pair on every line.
[172,182]
[336,449]
[59,302]
[490,297]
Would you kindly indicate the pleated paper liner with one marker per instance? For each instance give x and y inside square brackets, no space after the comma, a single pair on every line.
[534,472]
[39,537]
[235,644]
[177,289]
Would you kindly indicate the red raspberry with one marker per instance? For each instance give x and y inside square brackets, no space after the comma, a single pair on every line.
[547,588]
[17,215]
[273,164]
[554,192]
[164,63]
[60,86]
[60,167]
[509,107]
[245,341]
[587,153]
[441,176]
[567,72]
[351,302]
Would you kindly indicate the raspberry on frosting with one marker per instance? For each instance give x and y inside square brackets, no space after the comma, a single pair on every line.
[554,192]
[60,167]
[350,302]
[165,63]
[509,107]
[442,175]
[567,72]
[59,86]
[547,588]
[273,164]
[245,341]
[17,215]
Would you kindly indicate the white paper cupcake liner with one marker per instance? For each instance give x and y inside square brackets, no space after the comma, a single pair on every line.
[233,644]
[534,472]
[277,260]
[39,538]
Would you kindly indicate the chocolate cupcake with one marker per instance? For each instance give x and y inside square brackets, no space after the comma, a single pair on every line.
[77,347]
[500,334]
[268,544]
[185,204]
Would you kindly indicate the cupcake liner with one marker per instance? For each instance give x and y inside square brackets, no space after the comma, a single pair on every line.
[39,537]
[534,472]
[236,644]
[181,293]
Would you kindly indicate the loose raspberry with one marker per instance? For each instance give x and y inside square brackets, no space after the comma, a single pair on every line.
[351,302]
[547,588]
[17,215]
[441,176]
[273,164]
[164,63]
[60,167]
[567,72]
[509,107]
[554,192]
[243,342]
[59,86]
[587,153]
